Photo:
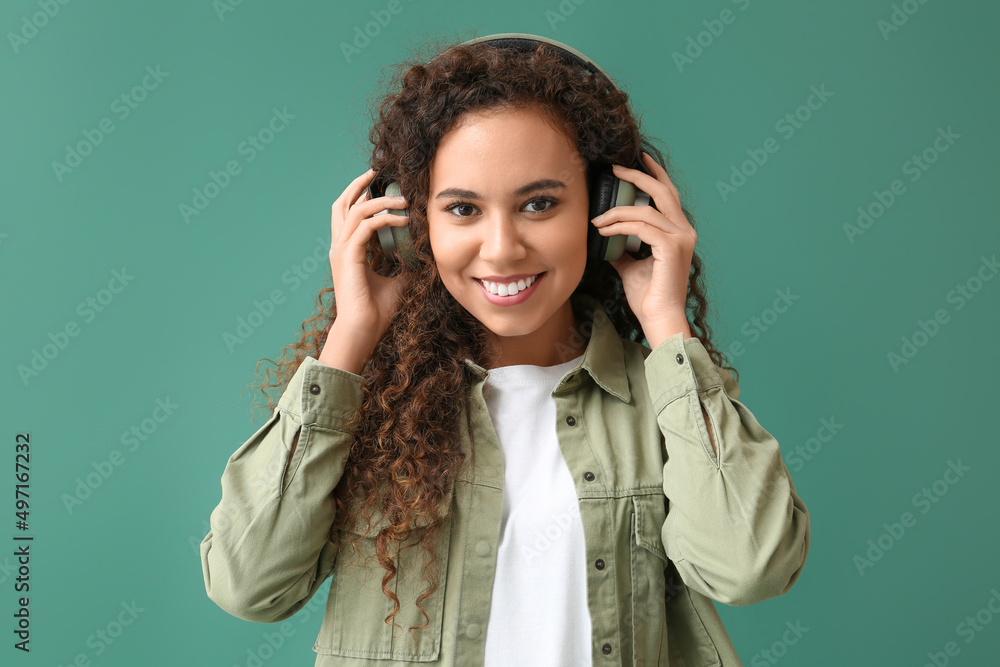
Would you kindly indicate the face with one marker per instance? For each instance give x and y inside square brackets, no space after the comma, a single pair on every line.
[507,218]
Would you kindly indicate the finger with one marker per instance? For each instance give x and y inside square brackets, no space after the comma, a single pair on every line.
[663,192]
[352,191]
[645,214]
[633,227]
[367,230]
[380,206]
[659,172]
[621,264]
[366,195]
[648,234]
[641,179]
[370,225]
[343,224]
[342,204]
[363,197]
[352,250]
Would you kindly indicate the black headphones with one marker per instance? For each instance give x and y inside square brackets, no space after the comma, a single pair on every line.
[606,190]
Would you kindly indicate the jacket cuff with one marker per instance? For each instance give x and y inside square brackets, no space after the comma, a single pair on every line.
[678,366]
[322,395]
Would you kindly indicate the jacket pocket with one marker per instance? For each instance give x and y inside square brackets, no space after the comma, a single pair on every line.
[354,623]
[648,566]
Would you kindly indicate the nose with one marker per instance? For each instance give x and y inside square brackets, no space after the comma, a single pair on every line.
[503,242]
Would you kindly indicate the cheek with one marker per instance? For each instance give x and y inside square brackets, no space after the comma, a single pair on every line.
[436,239]
[448,253]
[571,245]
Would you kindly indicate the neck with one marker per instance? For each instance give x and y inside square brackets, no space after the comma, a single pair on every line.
[556,342]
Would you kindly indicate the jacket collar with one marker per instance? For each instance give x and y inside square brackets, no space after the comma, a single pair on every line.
[603,359]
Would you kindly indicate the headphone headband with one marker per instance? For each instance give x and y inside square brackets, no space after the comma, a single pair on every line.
[523,41]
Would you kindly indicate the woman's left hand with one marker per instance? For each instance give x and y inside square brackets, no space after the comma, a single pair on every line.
[655,287]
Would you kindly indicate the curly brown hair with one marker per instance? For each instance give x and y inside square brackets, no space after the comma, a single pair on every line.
[407,450]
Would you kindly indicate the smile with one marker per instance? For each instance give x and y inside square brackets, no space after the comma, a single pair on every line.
[509,293]
[508,288]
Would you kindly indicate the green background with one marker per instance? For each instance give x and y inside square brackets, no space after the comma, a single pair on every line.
[826,356]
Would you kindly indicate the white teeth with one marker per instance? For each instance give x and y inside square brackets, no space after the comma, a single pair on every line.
[508,289]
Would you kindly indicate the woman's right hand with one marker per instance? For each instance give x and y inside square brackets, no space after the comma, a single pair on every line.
[365,300]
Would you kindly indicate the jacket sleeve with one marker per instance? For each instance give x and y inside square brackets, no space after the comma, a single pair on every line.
[267,551]
[735,528]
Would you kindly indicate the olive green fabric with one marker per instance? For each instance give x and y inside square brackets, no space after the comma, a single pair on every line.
[674,525]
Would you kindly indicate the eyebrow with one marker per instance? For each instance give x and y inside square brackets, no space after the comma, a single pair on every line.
[541,184]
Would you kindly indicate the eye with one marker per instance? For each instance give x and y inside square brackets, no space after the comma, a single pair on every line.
[547,201]
[460,205]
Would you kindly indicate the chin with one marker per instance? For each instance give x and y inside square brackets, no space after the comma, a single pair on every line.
[519,320]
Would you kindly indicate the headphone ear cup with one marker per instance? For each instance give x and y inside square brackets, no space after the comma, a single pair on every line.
[607,191]
[396,242]
[603,192]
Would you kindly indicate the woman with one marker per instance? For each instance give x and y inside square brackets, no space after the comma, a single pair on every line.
[578,497]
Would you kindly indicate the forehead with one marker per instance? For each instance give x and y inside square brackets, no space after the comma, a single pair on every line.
[500,144]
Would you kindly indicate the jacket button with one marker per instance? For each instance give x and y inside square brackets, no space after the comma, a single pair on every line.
[472,631]
[314,389]
[606,648]
[599,564]
[589,476]
[570,420]
[483,548]
[680,358]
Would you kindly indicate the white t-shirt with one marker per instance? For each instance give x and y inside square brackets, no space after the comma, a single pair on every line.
[539,613]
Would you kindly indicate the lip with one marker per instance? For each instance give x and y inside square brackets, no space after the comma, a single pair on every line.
[520,297]
[507,279]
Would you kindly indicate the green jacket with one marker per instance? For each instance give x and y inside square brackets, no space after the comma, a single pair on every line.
[669,526]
